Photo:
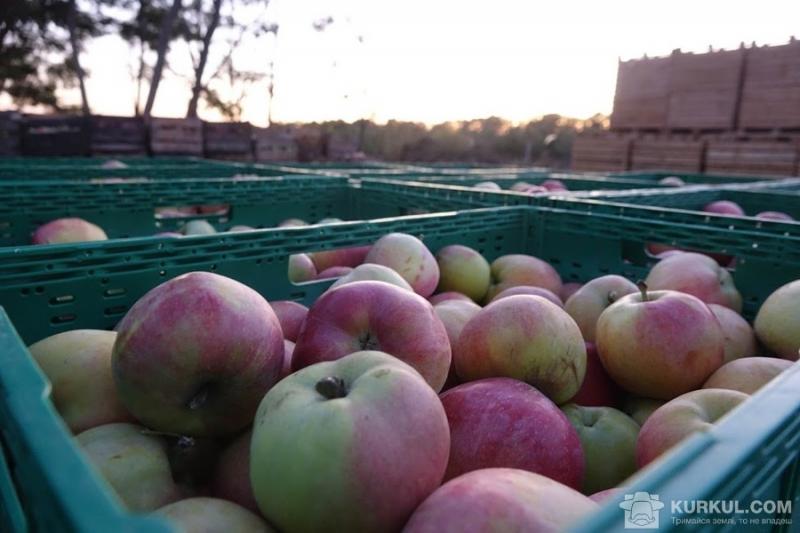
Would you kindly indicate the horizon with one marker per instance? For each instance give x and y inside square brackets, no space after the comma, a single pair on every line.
[443,62]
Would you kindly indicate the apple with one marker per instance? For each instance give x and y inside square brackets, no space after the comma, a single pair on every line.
[301,268]
[597,389]
[639,408]
[672,181]
[740,341]
[373,315]
[78,365]
[775,215]
[241,228]
[410,258]
[202,515]
[553,185]
[447,296]
[213,209]
[293,223]
[608,439]
[172,234]
[196,354]
[568,289]
[198,227]
[342,257]
[334,272]
[329,220]
[724,207]
[463,270]
[65,230]
[231,480]
[288,354]
[354,444]
[534,189]
[747,374]
[694,411]
[518,269]
[520,186]
[454,315]
[777,323]
[659,344]
[586,305]
[133,462]
[526,338]
[532,291]
[370,272]
[291,316]
[502,422]
[487,185]
[500,499]
[698,275]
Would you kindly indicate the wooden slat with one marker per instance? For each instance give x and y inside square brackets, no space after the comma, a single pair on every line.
[178,136]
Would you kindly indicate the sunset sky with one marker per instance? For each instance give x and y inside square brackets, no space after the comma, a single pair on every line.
[437,60]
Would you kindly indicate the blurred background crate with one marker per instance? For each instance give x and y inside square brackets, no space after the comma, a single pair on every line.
[176,136]
[54,135]
[601,152]
[228,140]
[270,144]
[753,155]
[118,135]
[704,89]
[642,95]
[674,153]
[9,133]
[771,92]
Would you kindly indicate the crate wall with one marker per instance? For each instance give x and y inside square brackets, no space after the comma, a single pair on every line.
[595,152]
[654,153]
[642,94]
[228,140]
[704,89]
[49,136]
[767,157]
[771,92]
[176,136]
[117,135]
[9,133]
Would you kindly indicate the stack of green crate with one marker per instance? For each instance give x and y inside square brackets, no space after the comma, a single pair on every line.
[128,208]
[751,454]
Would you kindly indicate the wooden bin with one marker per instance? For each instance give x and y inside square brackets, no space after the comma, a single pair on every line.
[9,133]
[176,136]
[753,156]
[228,140]
[600,152]
[642,93]
[118,135]
[704,90]
[771,92]
[270,145]
[664,153]
[54,135]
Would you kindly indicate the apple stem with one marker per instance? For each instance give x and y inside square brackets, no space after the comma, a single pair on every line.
[331,387]
[643,289]
[612,297]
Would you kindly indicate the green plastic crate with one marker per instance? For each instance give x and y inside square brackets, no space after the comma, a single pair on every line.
[687,204]
[93,284]
[692,178]
[153,172]
[573,182]
[128,209]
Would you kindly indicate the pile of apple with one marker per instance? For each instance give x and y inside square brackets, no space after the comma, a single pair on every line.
[550,185]
[419,393]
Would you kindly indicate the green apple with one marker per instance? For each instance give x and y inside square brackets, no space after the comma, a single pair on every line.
[208,515]
[608,438]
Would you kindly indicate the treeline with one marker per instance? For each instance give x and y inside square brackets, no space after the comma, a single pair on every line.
[544,141]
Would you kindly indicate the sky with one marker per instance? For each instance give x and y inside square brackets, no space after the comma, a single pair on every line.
[438,60]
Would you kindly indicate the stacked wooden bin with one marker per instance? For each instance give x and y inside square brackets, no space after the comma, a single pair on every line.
[728,111]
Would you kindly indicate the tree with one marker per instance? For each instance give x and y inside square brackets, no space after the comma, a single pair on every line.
[40,45]
[164,37]
[200,64]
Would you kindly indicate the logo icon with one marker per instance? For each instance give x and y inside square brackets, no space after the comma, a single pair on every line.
[642,510]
